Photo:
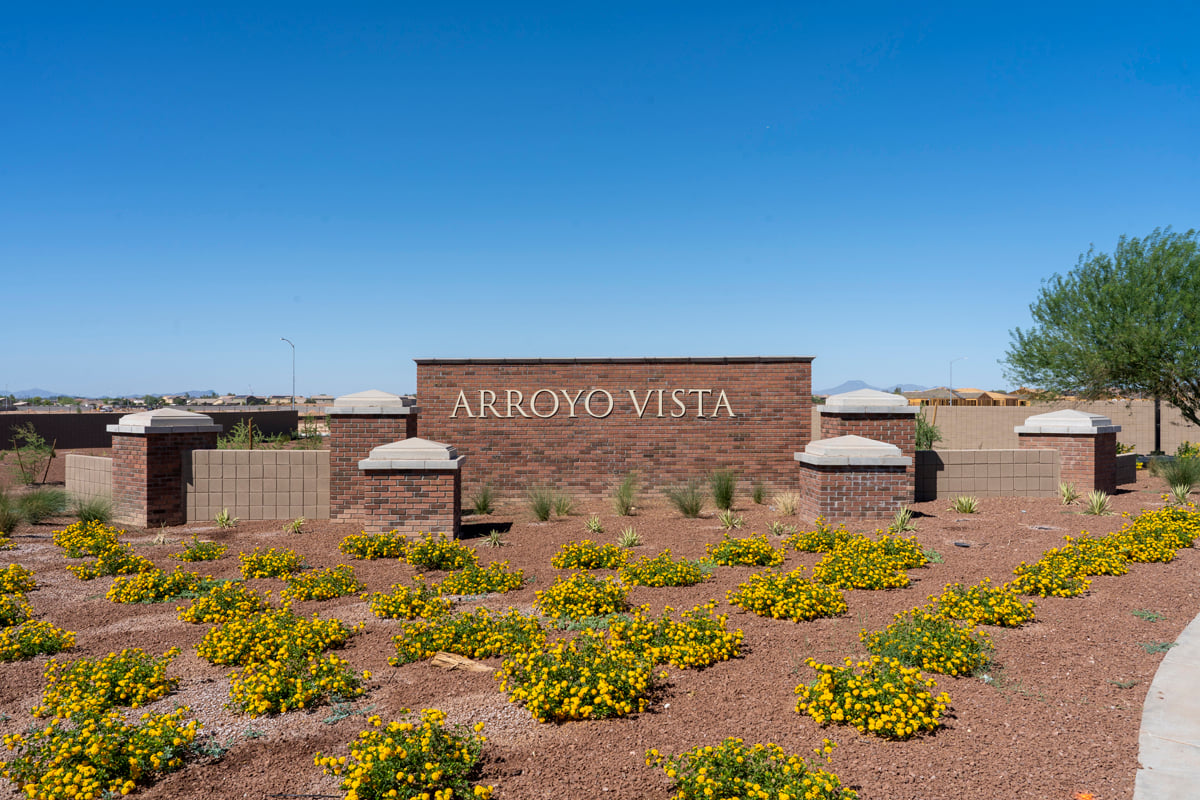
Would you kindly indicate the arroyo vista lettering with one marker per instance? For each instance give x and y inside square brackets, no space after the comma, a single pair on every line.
[598,403]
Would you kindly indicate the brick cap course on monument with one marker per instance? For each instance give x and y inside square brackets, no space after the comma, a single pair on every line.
[852,451]
[372,402]
[867,401]
[413,454]
[164,420]
[1068,421]
[641,360]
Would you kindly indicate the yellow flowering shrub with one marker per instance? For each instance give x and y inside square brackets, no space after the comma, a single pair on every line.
[84,686]
[196,550]
[392,544]
[589,555]
[273,563]
[112,558]
[410,760]
[752,551]
[478,633]
[821,539]
[787,595]
[224,602]
[298,680]
[931,642]
[904,550]
[85,538]
[1054,577]
[6,543]
[696,641]
[1176,526]
[156,586]
[582,595]
[584,678]
[15,579]
[476,580]
[31,638]
[662,570]
[1090,556]
[98,755]
[435,551]
[270,634]
[859,563]
[733,769]
[14,609]
[410,602]
[322,584]
[984,604]
[883,697]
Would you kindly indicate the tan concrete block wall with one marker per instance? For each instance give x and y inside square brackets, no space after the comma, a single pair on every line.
[89,476]
[987,473]
[257,484]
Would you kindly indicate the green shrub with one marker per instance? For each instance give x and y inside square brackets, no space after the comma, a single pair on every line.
[484,500]
[688,499]
[927,433]
[1180,472]
[32,453]
[10,515]
[758,493]
[41,504]
[93,509]
[563,505]
[626,495]
[723,483]
[541,503]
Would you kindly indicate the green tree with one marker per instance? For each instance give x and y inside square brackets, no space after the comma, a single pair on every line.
[1126,323]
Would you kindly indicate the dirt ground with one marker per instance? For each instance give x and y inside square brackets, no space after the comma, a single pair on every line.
[1057,714]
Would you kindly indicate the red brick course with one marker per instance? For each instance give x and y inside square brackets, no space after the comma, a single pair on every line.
[147,476]
[771,401]
[895,429]
[408,501]
[351,439]
[841,493]
[1088,460]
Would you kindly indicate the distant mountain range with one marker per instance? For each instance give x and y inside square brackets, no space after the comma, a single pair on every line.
[853,386]
[25,394]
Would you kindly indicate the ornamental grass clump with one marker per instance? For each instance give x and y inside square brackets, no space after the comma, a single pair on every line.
[734,769]
[662,570]
[495,578]
[752,551]
[271,564]
[723,483]
[435,551]
[98,755]
[883,698]
[688,498]
[32,638]
[931,642]
[322,584]
[15,579]
[787,595]
[582,595]
[984,604]
[196,550]
[129,678]
[821,539]
[859,563]
[427,759]
[157,586]
[224,602]
[479,633]
[297,680]
[410,602]
[589,555]
[271,635]
[697,640]
[392,544]
[583,678]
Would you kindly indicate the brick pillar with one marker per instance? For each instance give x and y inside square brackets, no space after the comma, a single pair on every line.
[359,423]
[875,415]
[413,486]
[851,477]
[1086,445]
[149,449]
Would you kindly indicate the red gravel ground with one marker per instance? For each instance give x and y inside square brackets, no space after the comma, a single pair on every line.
[1058,714]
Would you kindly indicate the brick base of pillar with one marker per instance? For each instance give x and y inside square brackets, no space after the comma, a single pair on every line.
[147,476]
[853,492]
[1087,460]
[409,501]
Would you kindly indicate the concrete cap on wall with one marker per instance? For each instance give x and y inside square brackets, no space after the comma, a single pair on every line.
[413,454]
[854,451]
[164,420]
[867,401]
[372,401]
[1068,420]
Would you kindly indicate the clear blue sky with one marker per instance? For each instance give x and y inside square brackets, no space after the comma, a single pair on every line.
[882,186]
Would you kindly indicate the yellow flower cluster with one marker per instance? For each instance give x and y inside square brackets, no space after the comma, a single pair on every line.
[1154,536]
[6,543]
[297,680]
[732,769]
[787,595]
[931,642]
[582,595]
[696,641]
[97,539]
[589,555]
[580,679]
[15,579]
[409,602]
[405,760]
[476,580]
[270,634]
[129,678]
[224,602]
[85,538]
[860,563]
[1050,578]
[662,570]
[435,551]
[822,539]
[273,563]
[156,586]
[98,755]
[753,551]
[479,633]
[322,584]
[1090,556]
[984,604]
[904,550]
[31,638]
[884,698]
[14,609]
[196,550]
[392,544]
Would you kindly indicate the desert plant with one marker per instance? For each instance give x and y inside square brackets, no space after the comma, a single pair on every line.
[563,505]
[92,509]
[902,521]
[758,493]
[626,495]
[723,483]
[38,505]
[965,504]
[1068,493]
[928,434]
[1179,493]
[541,503]
[226,520]
[484,500]
[786,503]
[594,525]
[295,526]
[729,520]
[494,539]
[777,528]
[629,538]
[1097,504]
[1180,471]
[10,515]
[32,452]
[687,499]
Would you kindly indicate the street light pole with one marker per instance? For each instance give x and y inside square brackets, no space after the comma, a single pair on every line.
[960,358]
[289,341]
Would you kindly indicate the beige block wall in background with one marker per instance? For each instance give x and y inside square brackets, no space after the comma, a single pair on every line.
[257,484]
[987,473]
[89,476]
